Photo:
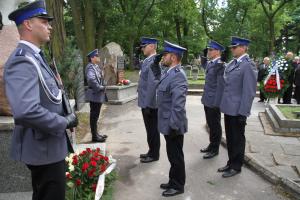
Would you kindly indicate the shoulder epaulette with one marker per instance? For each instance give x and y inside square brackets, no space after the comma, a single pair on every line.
[248,59]
[177,70]
[20,52]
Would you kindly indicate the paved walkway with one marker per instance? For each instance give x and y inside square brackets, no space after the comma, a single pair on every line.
[127,139]
[275,157]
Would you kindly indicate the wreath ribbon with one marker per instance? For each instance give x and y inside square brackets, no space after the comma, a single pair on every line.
[275,71]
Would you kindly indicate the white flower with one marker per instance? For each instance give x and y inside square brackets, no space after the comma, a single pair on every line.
[70,184]
[285,68]
[71,168]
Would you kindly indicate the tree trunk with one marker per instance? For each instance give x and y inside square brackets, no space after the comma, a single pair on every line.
[178,31]
[131,53]
[58,36]
[78,26]
[272,36]
[100,31]
[89,26]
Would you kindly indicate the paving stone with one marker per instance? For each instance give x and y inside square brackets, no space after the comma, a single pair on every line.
[285,140]
[254,128]
[285,172]
[291,149]
[267,148]
[287,160]
[263,159]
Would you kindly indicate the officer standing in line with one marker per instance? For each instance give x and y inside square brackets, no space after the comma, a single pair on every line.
[172,120]
[239,91]
[39,138]
[147,99]
[95,93]
[262,73]
[213,90]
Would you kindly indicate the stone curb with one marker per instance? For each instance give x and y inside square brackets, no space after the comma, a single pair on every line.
[289,185]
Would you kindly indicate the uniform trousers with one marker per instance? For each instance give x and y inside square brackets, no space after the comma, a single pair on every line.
[236,141]
[175,154]
[48,181]
[287,96]
[95,108]
[153,136]
[213,119]
[297,94]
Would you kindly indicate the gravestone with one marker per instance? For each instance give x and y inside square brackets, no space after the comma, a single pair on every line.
[109,60]
[121,68]
[9,38]
[195,72]
[188,69]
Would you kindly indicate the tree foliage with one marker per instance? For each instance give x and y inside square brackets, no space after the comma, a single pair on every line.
[271,25]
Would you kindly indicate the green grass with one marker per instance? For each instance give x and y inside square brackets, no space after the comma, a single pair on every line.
[133,76]
[198,82]
[287,111]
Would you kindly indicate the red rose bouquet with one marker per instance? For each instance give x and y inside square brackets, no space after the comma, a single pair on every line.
[83,172]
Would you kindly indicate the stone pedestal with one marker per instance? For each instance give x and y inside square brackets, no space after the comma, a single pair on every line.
[121,94]
[280,124]
[14,176]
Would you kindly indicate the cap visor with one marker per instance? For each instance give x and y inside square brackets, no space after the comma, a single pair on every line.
[234,45]
[49,18]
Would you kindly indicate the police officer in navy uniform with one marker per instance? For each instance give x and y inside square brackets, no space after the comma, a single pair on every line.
[95,93]
[147,100]
[240,77]
[172,120]
[211,98]
[39,138]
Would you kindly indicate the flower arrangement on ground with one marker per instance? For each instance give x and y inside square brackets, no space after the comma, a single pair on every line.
[83,171]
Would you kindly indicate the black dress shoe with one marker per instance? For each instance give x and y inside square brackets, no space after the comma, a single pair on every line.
[104,136]
[230,173]
[148,159]
[172,192]
[98,139]
[144,155]
[165,186]
[205,150]
[261,101]
[224,169]
[210,154]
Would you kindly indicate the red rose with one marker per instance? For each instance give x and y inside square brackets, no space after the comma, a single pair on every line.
[102,168]
[88,150]
[94,186]
[105,158]
[98,149]
[75,161]
[85,166]
[68,175]
[93,163]
[91,173]
[78,182]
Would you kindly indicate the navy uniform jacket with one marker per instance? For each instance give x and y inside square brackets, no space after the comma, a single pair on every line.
[214,84]
[39,135]
[171,99]
[147,85]
[96,87]
[240,87]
